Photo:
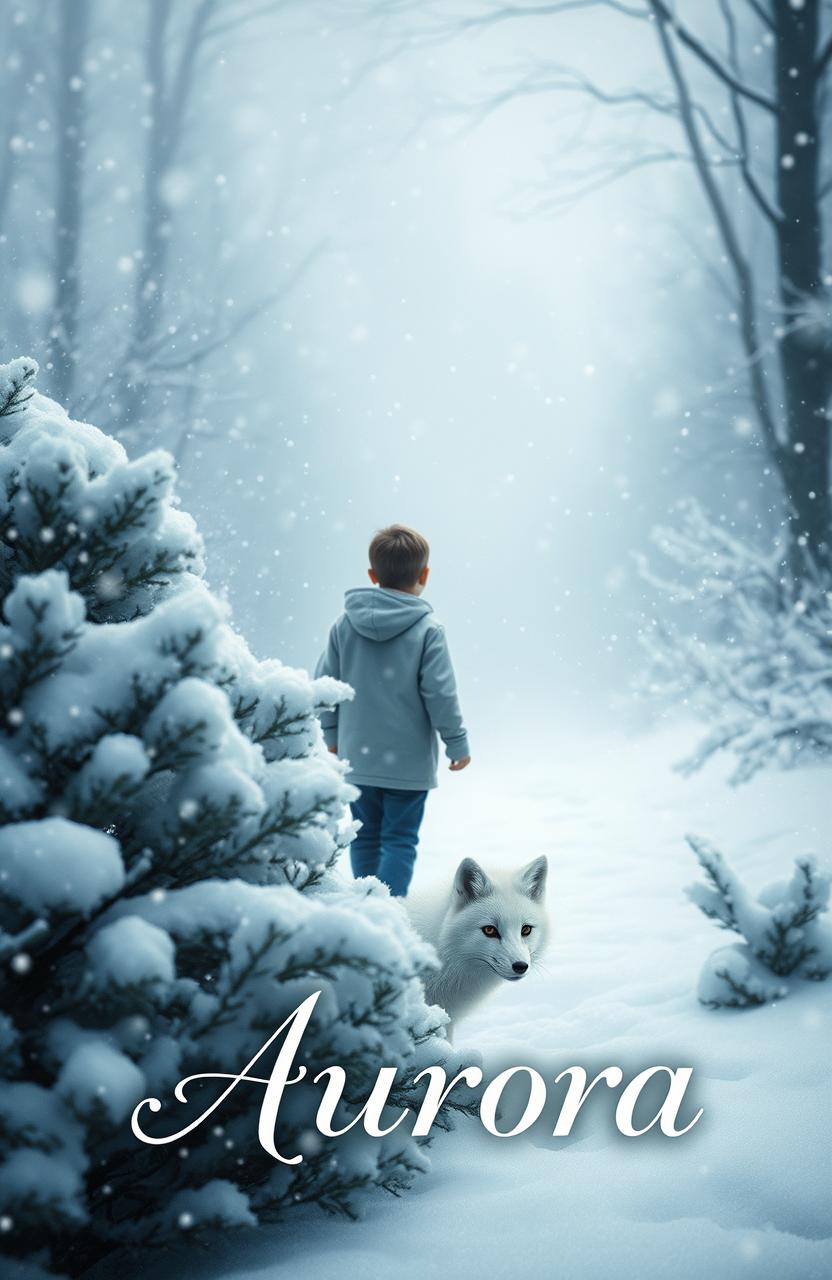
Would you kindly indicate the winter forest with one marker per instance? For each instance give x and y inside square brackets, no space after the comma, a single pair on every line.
[550,282]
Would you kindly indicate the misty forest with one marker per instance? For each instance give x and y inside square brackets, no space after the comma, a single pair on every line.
[550,282]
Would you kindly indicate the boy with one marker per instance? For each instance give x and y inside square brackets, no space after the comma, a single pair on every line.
[388,645]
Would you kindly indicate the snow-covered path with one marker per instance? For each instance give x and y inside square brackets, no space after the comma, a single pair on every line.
[744,1194]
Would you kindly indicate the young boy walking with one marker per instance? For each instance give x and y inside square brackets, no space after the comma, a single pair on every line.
[389,646]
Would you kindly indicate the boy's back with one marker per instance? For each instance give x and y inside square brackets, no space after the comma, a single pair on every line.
[390,647]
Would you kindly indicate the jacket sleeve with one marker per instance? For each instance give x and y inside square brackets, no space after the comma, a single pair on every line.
[437,685]
[329,664]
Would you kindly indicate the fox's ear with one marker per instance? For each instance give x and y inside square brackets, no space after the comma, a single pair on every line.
[533,879]
[471,882]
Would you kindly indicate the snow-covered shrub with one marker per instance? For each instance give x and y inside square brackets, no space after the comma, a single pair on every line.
[782,930]
[751,651]
[170,817]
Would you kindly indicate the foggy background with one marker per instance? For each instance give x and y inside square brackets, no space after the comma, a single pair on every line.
[428,340]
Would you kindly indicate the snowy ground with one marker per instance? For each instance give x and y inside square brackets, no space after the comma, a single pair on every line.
[746,1193]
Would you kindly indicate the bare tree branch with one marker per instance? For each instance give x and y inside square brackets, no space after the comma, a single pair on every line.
[569,81]
[762,13]
[605,175]
[561,79]
[728,234]
[691,42]
[511,12]
[247,16]
[181,88]
[760,198]
[199,353]
[659,9]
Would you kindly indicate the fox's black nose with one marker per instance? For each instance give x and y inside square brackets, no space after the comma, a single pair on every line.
[519,966]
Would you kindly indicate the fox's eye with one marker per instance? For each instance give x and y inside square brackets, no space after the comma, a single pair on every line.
[490,931]
[526,930]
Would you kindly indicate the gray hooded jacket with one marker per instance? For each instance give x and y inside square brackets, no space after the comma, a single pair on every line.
[389,646]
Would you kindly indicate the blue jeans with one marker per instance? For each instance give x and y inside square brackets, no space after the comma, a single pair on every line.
[386,844]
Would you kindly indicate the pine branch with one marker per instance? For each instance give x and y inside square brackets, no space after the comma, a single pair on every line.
[11,944]
[743,996]
[15,396]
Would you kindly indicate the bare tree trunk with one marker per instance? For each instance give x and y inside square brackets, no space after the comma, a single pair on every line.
[804,460]
[9,160]
[155,229]
[172,82]
[795,432]
[71,114]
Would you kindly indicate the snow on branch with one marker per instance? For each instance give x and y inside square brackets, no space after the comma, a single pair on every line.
[783,935]
[733,637]
[15,388]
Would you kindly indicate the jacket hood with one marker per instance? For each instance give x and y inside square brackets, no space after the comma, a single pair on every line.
[379,614]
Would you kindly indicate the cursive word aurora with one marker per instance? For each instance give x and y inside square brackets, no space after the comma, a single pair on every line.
[437,1091]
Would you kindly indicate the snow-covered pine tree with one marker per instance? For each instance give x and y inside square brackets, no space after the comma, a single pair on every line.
[165,903]
[738,640]
[783,934]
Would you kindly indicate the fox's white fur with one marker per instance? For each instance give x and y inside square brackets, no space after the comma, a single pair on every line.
[472,962]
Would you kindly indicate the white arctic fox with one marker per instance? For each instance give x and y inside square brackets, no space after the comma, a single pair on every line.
[490,927]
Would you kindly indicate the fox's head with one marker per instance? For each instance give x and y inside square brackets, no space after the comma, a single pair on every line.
[499,920]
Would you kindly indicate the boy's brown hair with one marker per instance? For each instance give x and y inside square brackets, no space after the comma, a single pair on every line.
[397,556]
